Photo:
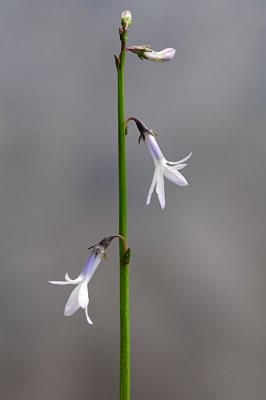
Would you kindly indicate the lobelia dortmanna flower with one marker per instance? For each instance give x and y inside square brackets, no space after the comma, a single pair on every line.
[163,167]
[79,298]
[145,52]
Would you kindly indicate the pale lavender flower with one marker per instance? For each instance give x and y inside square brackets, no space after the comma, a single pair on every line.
[162,166]
[146,52]
[79,297]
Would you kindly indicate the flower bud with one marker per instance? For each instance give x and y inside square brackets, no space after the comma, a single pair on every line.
[126,19]
[161,56]
[146,52]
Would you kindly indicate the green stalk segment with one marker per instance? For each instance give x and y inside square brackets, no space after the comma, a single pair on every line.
[124,265]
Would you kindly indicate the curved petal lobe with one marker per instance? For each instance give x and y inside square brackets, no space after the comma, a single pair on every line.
[160,188]
[153,183]
[175,177]
[83,295]
[180,161]
[87,316]
[177,167]
[73,303]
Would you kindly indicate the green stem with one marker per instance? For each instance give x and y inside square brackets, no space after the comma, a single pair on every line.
[124,266]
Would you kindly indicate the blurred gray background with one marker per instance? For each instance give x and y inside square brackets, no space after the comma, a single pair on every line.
[198,274]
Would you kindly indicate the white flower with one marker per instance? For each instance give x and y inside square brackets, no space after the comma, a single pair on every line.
[79,297]
[162,166]
[145,52]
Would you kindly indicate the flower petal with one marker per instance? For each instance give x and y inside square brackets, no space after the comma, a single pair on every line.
[73,303]
[175,177]
[153,183]
[87,316]
[83,295]
[180,161]
[61,282]
[160,188]
[177,167]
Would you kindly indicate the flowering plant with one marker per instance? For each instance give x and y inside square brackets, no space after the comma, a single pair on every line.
[79,297]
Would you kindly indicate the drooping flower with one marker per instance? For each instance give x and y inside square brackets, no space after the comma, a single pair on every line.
[79,297]
[162,166]
[146,52]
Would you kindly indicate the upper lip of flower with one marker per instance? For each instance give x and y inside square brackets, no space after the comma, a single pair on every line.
[79,298]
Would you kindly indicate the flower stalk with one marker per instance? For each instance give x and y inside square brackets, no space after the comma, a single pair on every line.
[124,262]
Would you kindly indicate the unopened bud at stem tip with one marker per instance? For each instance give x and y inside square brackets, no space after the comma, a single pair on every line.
[126,19]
